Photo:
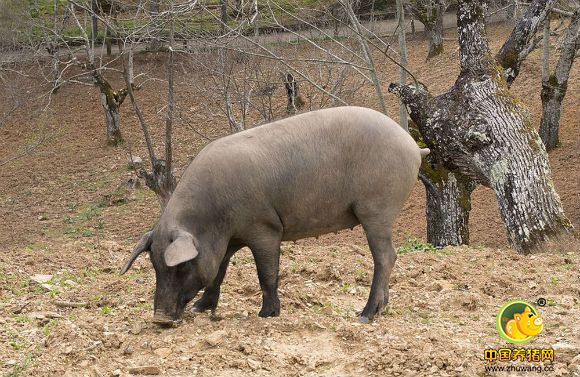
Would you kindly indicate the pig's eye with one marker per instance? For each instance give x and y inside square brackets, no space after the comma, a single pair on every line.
[530,315]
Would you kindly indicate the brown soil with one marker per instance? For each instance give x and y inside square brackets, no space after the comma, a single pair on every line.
[63,212]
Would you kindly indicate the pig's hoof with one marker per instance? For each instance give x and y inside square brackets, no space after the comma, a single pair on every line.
[203,304]
[363,319]
[269,312]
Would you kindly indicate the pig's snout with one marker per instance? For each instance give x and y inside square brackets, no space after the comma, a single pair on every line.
[162,319]
[538,321]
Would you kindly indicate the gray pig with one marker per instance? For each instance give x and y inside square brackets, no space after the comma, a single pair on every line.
[299,177]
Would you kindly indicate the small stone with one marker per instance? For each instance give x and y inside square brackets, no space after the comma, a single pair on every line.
[145,370]
[116,373]
[136,162]
[254,364]
[128,351]
[215,338]
[42,218]
[162,352]
[136,328]
[71,283]
[562,345]
[67,350]
[41,279]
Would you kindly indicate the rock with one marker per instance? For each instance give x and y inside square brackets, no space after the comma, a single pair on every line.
[136,162]
[162,352]
[116,373]
[70,283]
[48,287]
[254,364]
[42,218]
[136,328]
[128,350]
[43,315]
[562,345]
[41,279]
[215,338]
[145,370]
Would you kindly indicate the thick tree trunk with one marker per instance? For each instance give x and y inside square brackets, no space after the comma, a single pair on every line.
[479,129]
[554,86]
[448,199]
[448,204]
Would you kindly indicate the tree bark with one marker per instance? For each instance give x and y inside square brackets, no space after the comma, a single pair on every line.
[295,101]
[480,129]
[95,25]
[111,102]
[155,26]
[223,16]
[448,199]
[403,120]
[448,205]
[554,86]
[430,13]
[510,55]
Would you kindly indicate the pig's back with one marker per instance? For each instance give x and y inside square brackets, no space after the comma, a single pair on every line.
[311,169]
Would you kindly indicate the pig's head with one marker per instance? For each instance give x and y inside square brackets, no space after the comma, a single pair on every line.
[174,257]
[529,323]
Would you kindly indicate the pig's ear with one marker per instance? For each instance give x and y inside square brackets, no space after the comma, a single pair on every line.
[143,245]
[517,316]
[180,250]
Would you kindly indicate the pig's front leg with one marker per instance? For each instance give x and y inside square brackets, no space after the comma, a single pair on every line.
[209,299]
[267,257]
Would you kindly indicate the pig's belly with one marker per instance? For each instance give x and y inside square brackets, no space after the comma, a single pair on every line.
[298,227]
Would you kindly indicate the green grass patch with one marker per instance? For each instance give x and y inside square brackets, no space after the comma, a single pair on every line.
[414,244]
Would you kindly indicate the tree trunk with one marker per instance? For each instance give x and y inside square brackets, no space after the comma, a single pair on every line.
[113,124]
[479,129]
[448,205]
[554,87]
[448,199]
[108,41]
[295,101]
[111,102]
[223,16]
[435,32]
[95,25]
[509,56]
[154,29]
[430,13]
[403,121]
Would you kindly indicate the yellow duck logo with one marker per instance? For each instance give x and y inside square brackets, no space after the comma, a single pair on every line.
[524,324]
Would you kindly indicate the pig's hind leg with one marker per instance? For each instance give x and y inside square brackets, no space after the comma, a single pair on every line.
[378,229]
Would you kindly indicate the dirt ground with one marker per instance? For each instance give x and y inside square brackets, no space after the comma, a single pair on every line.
[67,224]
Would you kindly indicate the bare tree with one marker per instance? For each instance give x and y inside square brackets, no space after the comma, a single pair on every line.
[403,121]
[430,13]
[555,85]
[479,129]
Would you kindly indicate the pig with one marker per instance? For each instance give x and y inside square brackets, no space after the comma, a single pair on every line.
[524,324]
[303,176]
